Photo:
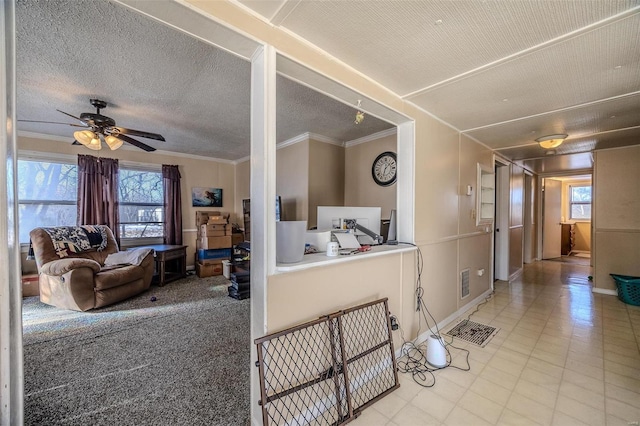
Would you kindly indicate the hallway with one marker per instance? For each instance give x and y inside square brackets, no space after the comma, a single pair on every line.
[563,356]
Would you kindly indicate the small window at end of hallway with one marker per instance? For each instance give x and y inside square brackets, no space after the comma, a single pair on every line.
[580,208]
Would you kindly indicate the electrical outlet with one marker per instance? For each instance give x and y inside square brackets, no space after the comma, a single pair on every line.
[394,323]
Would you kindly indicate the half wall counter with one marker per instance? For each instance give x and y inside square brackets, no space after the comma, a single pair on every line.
[319,285]
[320,259]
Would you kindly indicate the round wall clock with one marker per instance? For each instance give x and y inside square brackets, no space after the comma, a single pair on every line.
[384,169]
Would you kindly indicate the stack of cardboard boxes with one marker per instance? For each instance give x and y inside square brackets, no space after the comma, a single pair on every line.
[215,242]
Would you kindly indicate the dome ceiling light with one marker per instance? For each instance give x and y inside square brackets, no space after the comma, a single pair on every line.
[551,141]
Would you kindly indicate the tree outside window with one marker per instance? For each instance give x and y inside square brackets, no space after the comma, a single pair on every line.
[48,191]
[47,194]
[580,203]
[141,203]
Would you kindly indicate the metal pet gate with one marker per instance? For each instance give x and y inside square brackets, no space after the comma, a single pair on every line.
[324,372]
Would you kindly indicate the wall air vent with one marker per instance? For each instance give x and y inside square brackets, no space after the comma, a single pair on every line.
[464,283]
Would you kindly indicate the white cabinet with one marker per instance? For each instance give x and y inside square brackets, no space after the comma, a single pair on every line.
[486,196]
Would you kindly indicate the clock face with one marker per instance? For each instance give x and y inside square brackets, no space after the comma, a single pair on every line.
[384,169]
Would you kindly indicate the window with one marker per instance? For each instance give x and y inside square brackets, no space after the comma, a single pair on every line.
[580,202]
[141,203]
[47,193]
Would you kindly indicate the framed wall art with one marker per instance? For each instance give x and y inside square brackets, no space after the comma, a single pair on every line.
[206,197]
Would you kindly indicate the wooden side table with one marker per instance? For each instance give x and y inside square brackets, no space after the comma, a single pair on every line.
[164,253]
[30,285]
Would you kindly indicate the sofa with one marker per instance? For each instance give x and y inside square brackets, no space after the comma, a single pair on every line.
[75,271]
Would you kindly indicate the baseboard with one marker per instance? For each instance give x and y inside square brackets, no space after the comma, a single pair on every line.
[610,292]
[448,320]
[516,274]
[256,422]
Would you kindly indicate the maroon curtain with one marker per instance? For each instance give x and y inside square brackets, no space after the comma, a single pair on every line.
[98,193]
[172,205]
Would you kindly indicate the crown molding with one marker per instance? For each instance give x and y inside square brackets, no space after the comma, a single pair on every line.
[241,160]
[369,138]
[308,136]
[193,156]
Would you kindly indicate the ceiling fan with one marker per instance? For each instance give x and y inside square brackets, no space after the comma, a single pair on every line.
[103,129]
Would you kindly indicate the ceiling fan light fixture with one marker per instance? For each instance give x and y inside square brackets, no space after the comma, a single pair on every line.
[95,144]
[84,136]
[551,141]
[113,142]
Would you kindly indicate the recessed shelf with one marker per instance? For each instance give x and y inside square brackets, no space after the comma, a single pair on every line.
[485,202]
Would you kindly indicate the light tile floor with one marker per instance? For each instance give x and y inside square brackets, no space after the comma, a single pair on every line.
[563,356]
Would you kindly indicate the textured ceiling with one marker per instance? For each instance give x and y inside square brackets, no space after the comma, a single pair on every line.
[154,79]
[503,72]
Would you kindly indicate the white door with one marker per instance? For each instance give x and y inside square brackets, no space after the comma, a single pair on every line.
[529,218]
[501,232]
[551,226]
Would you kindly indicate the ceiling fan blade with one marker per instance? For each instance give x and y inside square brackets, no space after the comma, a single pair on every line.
[125,131]
[72,116]
[50,122]
[134,142]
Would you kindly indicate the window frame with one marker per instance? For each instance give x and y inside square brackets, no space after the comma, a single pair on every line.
[72,161]
[580,203]
[53,159]
[138,241]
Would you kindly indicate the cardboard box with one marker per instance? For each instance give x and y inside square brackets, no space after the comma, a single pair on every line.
[206,229]
[213,234]
[30,285]
[208,243]
[215,230]
[208,270]
[213,261]
[237,238]
[217,220]
[202,217]
[210,261]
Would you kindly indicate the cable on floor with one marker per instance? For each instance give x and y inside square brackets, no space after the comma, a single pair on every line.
[413,358]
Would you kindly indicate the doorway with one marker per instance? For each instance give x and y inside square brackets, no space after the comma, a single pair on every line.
[566,218]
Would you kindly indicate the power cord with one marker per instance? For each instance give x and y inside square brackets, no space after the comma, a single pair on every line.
[484,302]
[413,358]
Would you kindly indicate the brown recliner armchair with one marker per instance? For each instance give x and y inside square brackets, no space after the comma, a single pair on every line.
[79,280]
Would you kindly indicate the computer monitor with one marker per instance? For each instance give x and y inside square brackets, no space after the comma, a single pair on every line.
[278,208]
[333,217]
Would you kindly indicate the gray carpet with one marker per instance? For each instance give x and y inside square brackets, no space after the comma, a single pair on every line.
[180,360]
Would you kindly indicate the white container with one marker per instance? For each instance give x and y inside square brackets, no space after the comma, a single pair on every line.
[318,239]
[226,269]
[436,353]
[290,240]
[332,249]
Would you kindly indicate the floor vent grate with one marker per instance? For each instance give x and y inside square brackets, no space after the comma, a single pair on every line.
[473,332]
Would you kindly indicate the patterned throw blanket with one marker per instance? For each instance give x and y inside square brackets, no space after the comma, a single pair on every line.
[78,239]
